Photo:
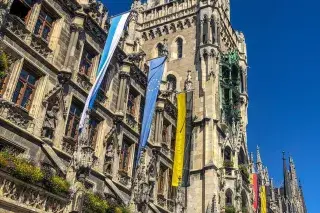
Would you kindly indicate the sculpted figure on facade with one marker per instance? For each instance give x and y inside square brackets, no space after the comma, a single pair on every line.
[50,122]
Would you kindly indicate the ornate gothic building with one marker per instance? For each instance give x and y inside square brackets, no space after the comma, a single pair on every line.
[49,56]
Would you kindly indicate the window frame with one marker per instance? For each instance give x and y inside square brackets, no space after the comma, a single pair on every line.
[25,85]
[179,43]
[124,162]
[70,124]
[87,60]
[44,23]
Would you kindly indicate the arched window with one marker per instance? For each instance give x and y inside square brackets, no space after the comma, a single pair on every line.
[244,202]
[205,31]
[241,157]
[179,47]
[227,154]
[171,82]
[228,197]
[159,49]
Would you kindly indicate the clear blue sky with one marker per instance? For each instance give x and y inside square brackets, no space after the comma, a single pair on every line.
[283,53]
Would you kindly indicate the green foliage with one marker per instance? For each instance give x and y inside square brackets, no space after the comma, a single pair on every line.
[26,171]
[3,64]
[230,209]
[96,204]
[59,185]
[4,159]
[228,164]
[244,171]
[245,210]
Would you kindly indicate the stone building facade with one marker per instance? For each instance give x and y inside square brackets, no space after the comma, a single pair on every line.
[52,50]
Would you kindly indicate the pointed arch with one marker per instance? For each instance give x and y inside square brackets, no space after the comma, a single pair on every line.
[229,197]
[179,46]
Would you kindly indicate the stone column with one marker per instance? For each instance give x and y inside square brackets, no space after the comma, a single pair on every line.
[124,76]
[76,28]
[201,31]
[159,122]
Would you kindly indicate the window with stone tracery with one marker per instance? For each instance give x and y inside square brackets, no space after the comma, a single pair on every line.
[44,24]
[93,131]
[162,179]
[74,120]
[132,103]
[172,191]
[125,155]
[86,65]
[25,88]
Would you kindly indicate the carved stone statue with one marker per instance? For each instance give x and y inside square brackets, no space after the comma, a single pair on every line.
[165,50]
[188,82]
[109,157]
[152,173]
[50,122]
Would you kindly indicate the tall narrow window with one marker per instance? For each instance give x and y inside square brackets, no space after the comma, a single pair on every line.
[44,25]
[165,132]
[25,89]
[141,110]
[159,50]
[3,83]
[173,139]
[171,82]
[228,197]
[125,156]
[179,47]
[131,104]
[86,64]
[172,192]
[161,180]
[22,9]
[73,120]
[93,131]
[205,31]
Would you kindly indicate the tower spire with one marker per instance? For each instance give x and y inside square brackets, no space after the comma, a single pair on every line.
[259,162]
[285,184]
[252,163]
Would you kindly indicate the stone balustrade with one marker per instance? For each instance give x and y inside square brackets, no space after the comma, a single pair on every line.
[30,198]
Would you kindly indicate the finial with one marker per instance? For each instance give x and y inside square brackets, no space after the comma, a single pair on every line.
[258,155]
[283,155]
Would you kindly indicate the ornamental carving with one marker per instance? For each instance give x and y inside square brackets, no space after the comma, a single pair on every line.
[31,196]
[16,26]
[15,114]
[54,102]
[41,47]
[95,30]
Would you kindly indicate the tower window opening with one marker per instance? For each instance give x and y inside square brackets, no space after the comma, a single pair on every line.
[179,47]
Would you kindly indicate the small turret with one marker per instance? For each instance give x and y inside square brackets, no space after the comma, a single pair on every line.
[259,162]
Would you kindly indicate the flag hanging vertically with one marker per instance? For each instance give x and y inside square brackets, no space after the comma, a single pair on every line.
[186,164]
[180,140]
[263,199]
[254,182]
[154,78]
[117,25]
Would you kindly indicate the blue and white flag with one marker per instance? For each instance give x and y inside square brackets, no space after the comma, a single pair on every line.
[154,79]
[117,25]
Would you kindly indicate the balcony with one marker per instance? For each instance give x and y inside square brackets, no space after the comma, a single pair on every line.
[84,82]
[130,120]
[29,197]
[124,178]
[16,114]
[41,46]
[68,145]
[17,27]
